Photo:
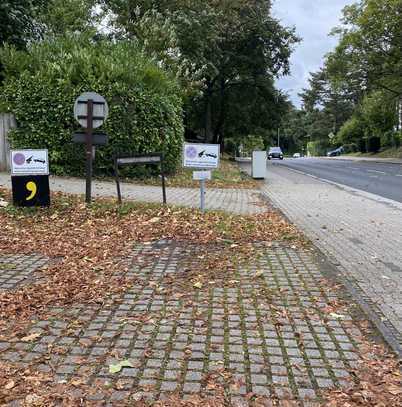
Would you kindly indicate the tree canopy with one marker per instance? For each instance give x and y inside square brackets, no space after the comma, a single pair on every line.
[359,88]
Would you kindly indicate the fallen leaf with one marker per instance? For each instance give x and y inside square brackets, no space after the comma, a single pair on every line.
[198,285]
[30,338]
[116,368]
[10,385]
[335,315]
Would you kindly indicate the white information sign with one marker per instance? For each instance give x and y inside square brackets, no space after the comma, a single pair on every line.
[203,156]
[29,162]
[202,175]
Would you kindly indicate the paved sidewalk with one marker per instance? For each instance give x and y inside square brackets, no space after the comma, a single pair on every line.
[268,332]
[240,201]
[362,233]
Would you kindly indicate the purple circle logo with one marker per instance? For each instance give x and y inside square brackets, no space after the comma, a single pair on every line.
[19,159]
[191,152]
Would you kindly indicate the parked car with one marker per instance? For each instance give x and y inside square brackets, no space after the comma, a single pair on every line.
[275,152]
[335,152]
[296,155]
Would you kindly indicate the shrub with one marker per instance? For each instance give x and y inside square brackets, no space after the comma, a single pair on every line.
[351,131]
[396,139]
[350,148]
[318,147]
[373,144]
[251,143]
[145,113]
[391,139]
[231,147]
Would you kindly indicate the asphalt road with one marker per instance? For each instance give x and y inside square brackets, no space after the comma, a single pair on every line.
[377,178]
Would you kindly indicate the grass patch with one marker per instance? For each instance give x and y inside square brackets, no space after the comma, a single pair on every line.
[228,175]
[387,153]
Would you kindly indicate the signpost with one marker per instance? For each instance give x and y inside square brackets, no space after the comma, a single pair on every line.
[138,159]
[201,156]
[30,177]
[91,111]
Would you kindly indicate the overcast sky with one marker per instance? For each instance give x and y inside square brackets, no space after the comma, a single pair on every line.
[313,20]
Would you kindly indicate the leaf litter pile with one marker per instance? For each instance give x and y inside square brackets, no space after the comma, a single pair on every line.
[88,245]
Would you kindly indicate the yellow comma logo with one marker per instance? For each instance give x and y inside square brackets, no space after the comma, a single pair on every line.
[32,188]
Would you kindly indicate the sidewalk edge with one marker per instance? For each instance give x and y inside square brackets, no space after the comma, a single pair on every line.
[387,331]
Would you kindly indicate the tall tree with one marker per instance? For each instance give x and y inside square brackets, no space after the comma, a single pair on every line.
[227,45]
[18,23]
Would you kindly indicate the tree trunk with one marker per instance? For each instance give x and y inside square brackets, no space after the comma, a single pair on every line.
[208,113]
[219,129]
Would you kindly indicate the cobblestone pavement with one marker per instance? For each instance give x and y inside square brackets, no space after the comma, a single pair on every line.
[16,270]
[362,233]
[240,201]
[267,331]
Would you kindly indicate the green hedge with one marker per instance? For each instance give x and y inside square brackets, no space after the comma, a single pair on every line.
[319,147]
[145,104]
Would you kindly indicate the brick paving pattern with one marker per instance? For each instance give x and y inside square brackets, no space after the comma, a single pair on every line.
[240,201]
[16,270]
[266,331]
[362,234]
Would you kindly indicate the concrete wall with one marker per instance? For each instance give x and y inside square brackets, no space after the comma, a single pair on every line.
[7,122]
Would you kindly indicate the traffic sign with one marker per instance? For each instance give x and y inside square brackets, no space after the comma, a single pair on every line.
[100,109]
[91,111]
[29,162]
[203,156]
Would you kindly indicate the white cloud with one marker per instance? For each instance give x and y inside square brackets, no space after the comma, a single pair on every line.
[313,19]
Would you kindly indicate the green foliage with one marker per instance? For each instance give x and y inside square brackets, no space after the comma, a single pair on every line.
[144,102]
[360,86]
[352,130]
[17,21]
[231,50]
[72,16]
[319,147]
[252,143]
[350,148]
[373,144]
[379,113]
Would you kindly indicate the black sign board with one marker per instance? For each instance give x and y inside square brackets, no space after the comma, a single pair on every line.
[98,139]
[31,190]
[138,159]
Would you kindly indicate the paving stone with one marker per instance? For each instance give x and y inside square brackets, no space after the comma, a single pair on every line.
[193,375]
[325,383]
[351,247]
[168,386]
[252,358]
[261,390]
[306,394]
[191,387]
[258,379]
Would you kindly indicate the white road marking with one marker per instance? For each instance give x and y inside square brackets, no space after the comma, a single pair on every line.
[398,175]
[377,172]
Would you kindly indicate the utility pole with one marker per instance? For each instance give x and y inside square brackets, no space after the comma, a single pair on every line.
[278,137]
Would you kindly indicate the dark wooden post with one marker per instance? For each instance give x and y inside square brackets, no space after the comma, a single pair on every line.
[89,131]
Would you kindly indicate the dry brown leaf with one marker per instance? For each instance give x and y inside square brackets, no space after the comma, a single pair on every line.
[31,337]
